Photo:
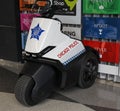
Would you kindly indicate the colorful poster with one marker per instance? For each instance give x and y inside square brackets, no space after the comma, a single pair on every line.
[24,36]
[26,19]
[99,27]
[66,7]
[101,6]
[31,5]
[69,14]
[69,11]
[109,51]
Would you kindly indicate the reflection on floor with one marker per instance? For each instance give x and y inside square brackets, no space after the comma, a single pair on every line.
[100,97]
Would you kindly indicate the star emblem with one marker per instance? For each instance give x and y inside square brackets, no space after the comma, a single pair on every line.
[36,32]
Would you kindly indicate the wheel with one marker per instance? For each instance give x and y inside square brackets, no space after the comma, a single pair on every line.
[31,89]
[23,90]
[88,70]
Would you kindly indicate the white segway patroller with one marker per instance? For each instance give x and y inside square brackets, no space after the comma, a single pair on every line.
[53,59]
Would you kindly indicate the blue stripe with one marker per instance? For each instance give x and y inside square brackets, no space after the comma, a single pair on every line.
[72,58]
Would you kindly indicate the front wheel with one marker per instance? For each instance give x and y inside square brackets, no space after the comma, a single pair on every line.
[31,89]
[88,70]
[23,90]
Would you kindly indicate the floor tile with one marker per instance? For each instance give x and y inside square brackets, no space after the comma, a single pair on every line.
[98,95]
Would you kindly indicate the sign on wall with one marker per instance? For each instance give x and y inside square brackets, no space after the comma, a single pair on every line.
[72,31]
[101,6]
[109,51]
[31,5]
[70,15]
[99,27]
[26,19]
[70,11]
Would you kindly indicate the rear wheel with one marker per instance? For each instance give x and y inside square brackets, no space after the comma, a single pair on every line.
[88,70]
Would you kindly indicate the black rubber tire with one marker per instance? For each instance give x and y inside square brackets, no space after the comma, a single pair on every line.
[88,70]
[23,90]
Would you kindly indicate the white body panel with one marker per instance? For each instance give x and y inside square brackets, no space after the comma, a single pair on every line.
[51,36]
[46,32]
[66,51]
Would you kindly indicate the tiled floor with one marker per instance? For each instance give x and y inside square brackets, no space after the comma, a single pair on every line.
[47,105]
[102,96]
[98,95]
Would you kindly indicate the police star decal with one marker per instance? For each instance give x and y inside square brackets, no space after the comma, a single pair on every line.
[36,32]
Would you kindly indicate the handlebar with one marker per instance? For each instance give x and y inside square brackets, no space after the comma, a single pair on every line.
[48,10]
